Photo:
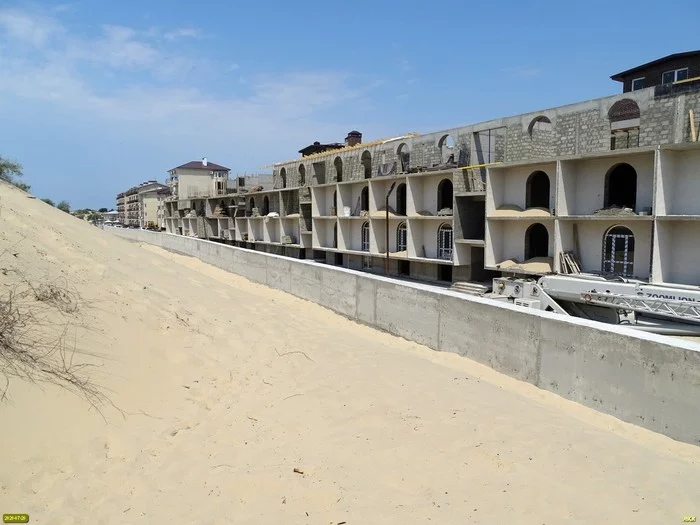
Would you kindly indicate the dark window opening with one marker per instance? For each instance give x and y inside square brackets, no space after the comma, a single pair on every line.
[364,199]
[621,187]
[404,268]
[404,158]
[445,273]
[335,236]
[283,177]
[338,163]
[266,205]
[618,251]
[638,83]
[367,164]
[302,175]
[401,199]
[339,259]
[537,190]
[335,203]
[444,196]
[536,241]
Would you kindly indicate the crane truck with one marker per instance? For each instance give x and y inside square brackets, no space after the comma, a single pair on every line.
[667,309]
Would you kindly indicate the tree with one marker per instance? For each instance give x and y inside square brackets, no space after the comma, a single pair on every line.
[103,210]
[10,171]
[49,202]
[63,206]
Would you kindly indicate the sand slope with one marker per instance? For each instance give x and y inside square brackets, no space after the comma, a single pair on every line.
[226,387]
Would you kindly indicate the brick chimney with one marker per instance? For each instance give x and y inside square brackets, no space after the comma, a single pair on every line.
[353,139]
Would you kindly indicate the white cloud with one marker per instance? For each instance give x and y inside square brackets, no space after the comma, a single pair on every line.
[25,28]
[183,32]
[119,75]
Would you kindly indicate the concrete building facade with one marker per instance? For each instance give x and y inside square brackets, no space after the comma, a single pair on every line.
[509,195]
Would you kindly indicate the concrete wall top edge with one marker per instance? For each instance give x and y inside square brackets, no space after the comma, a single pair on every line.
[620,330]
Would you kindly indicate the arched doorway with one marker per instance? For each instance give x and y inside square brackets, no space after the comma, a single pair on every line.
[404,157]
[266,205]
[252,205]
[621,187]
[618,251]
[364,199]
[447,149]
[367,164]
[537,190]
[536,241]
[401,199]
[283,177]
[444,194]
[338,164]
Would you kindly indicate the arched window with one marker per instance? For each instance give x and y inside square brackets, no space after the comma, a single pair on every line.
[404,157]
[537,190]
[364,199]
[621,187]
[335,235]
[266,205]
[444,194]
[618,251]
[401,199]
[536,241]
[283,177]
[401,237]
[252,204]
[624,116]
[302,175]
[365,237]
[540,123]
[335,202]
[338,164]
[444,242]
[367,164]
[625,109]
[447,149]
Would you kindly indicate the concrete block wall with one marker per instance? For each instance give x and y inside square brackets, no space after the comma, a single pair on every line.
[645,379]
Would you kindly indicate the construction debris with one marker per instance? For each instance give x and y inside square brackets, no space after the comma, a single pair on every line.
[569,263]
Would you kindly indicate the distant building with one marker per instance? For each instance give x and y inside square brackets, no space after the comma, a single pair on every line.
[142,204]
[663,71]
[199,178]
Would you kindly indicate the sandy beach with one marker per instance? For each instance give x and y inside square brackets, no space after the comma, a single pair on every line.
[235,403]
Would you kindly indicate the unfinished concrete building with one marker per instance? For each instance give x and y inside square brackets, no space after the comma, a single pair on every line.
[205,199]
[610,180]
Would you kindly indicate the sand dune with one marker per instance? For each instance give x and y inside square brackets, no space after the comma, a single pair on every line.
[225,387]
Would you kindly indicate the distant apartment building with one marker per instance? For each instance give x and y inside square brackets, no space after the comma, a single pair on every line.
[199,178]
[143,205]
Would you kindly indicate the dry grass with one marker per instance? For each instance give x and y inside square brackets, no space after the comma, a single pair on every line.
[36,321]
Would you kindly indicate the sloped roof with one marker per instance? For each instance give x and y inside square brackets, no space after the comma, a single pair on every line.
[198,165]
[619,76]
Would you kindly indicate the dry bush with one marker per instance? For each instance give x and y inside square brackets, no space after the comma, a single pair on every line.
[35,321]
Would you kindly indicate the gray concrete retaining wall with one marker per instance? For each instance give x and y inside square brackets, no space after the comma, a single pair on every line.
[645,379]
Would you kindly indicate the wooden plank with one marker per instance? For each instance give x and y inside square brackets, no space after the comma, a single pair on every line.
[693,130]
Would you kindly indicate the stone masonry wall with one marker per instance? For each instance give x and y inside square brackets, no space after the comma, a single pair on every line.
[575,129]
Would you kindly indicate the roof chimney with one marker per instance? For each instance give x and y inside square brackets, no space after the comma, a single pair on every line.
[204,161]
[353,139]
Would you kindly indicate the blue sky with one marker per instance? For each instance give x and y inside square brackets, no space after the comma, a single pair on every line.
[97,95]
